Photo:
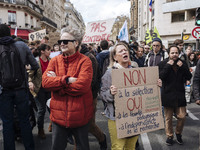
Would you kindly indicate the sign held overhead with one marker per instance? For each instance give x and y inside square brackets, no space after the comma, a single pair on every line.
[98,30]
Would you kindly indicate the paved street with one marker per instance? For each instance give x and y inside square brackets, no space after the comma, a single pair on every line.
[150,141]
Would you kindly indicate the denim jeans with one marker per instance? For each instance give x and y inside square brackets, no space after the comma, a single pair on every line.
[60,134]
[41,100]
[8,99]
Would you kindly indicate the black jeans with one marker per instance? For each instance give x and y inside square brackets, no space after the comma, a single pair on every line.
[60,134]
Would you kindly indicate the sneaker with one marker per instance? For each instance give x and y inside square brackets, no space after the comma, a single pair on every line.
[169,141]
[103,144]
[41,134]
[179,139]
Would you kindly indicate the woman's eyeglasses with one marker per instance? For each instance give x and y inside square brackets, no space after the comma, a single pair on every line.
[64,41]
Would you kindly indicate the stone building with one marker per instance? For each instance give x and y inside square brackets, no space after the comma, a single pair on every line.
[133,30]
[73,17]
[172,18]
[32,15]
[118,25]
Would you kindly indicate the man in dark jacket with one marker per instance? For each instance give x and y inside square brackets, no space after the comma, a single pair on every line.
[16,96]
[174,72]
[103,56]
[155,56]
[138,57]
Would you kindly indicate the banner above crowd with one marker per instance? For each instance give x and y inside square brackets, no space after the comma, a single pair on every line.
[98,30]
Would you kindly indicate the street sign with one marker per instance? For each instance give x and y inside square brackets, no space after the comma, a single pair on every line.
[196,33]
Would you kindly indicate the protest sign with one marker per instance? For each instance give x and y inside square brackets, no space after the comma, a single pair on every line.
[97,31]
[38,35]
[138,101]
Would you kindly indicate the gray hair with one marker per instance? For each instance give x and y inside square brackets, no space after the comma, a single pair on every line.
[76,33]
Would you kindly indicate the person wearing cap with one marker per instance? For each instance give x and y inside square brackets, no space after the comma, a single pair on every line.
[157,55]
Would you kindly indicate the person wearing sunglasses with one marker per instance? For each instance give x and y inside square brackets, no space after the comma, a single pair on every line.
[68,77]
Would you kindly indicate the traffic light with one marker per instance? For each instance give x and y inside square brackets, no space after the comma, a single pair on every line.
[197,19]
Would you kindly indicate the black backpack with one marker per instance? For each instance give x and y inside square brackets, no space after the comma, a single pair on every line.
[12,70]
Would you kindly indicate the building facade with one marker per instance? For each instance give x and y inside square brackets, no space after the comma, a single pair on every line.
[33,15]
[172,18]
[118,25]
[73,17]
[133,30]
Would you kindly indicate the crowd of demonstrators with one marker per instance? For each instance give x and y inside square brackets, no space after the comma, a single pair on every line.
[17,95]
[78,72]
[174,72]
[119,58]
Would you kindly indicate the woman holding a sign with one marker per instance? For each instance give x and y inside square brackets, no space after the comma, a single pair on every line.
[119,59]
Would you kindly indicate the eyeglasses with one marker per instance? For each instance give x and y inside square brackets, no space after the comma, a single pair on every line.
[64,41]
[156,45]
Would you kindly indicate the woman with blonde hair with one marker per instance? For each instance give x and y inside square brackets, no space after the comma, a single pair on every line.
[119,58]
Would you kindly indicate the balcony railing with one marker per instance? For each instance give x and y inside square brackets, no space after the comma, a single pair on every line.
[28,3]
[34,6]
[45,19]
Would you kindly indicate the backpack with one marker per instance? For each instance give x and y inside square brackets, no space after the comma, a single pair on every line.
[12,70]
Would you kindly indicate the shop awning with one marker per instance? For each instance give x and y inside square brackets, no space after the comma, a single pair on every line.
[23,33]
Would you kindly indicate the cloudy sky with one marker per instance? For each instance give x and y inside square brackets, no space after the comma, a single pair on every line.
[94,10]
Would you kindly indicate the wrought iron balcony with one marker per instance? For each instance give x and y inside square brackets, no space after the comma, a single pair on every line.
[47,20]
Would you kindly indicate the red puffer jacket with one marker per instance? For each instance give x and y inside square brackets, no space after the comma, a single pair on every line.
[71,104]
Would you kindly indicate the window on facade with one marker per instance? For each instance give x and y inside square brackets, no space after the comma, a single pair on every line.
[31,22]
[11,17]
[177,17]
[190,14]
[10,1]
[42,2]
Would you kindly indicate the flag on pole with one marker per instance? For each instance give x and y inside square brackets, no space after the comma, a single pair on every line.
[150,6]
[148,37]
[16,31]
[123,33]
[156,33]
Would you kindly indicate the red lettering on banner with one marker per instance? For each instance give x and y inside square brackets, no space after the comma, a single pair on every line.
[98,27]
[135,77]
[95,38]
[133,104]
[104,27]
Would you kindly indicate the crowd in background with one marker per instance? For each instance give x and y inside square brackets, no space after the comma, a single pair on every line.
[103,57]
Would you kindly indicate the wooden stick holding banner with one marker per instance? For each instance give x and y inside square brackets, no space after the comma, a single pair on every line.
[138,101]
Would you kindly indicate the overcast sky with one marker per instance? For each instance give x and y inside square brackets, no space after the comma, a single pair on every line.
[94,10]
